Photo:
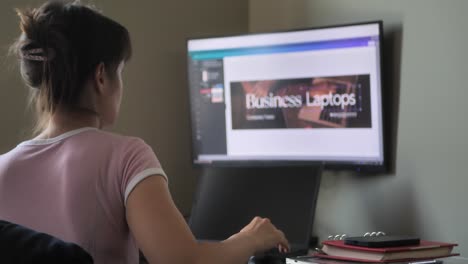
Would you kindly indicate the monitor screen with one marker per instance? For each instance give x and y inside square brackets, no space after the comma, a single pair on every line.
[303,95]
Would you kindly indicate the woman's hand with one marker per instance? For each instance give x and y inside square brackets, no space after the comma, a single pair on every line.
[163,235]
[265,235]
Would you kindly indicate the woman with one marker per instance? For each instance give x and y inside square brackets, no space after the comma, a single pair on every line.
[102,191]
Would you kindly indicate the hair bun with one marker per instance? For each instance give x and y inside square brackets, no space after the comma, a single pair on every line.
[30,26]
[35,45]
[39,26]
[26,20]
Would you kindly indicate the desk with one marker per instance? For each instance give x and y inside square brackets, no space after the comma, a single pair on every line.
[269,261]
[455,260]
[450,260]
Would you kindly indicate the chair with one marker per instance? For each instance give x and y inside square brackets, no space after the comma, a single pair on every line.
[19,244]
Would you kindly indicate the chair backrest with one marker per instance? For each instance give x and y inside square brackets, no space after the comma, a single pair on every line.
[19,244]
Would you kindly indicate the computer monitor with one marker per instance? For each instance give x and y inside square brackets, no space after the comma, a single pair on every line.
[297,96]
[227,199]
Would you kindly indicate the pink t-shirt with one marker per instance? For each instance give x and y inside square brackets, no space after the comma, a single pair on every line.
[75,187]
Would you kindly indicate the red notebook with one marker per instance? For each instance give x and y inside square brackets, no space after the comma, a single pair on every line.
[336,249]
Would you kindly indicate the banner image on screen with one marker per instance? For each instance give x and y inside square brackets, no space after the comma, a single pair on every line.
[320,102]
[305,95]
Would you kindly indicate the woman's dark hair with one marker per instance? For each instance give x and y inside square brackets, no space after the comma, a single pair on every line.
[61,44]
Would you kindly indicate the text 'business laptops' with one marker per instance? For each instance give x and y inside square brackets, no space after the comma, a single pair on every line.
[228,198]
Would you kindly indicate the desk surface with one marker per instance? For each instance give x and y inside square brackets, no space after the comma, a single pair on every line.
[450,260]
[455,260]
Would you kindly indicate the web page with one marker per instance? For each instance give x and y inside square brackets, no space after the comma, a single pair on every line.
[314,98]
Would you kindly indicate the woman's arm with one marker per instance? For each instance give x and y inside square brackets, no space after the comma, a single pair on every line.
[164,237]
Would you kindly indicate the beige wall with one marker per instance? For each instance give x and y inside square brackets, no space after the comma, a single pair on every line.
[155,105]
[426,194]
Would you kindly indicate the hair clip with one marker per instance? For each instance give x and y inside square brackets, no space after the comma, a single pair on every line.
[34,55]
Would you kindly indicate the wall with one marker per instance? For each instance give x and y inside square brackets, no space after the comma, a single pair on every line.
[425,193]
[155,104]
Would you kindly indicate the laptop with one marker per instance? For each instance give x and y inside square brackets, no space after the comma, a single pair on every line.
[227,199]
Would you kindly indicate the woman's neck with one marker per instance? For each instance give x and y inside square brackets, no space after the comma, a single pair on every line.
[64,121]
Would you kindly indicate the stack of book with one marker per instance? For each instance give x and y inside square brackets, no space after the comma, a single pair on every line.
[338,250]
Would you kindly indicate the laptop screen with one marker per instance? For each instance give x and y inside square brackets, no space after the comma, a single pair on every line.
[227,199]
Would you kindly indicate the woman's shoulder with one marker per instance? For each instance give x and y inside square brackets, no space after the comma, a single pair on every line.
[83,136]
[112,146]
[82,141]
[117,139]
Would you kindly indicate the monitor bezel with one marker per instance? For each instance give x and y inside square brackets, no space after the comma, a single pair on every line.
[328,165]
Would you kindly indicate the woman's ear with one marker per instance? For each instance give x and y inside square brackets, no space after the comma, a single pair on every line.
[100,78]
